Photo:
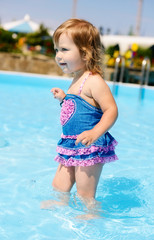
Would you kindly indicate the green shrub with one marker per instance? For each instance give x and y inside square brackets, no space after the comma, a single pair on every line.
[111,49]
[144,52]
[41,38]
[7,42]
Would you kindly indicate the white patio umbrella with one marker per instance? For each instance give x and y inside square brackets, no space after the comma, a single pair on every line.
[24,26]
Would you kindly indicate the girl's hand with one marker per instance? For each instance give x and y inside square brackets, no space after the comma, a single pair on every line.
[58,93]
[87,138]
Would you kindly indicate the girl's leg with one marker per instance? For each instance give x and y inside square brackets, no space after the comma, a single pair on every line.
[64,178]
[87,179]
[86,182]
[63,182]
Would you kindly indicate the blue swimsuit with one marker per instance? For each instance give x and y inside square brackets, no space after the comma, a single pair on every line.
[77,116]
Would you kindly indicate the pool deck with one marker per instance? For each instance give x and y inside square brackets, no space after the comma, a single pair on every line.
[69,78]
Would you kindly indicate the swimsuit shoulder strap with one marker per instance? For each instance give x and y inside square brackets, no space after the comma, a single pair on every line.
[82,84]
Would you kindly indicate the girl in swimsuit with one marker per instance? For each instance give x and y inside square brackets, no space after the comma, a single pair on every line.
[88,110]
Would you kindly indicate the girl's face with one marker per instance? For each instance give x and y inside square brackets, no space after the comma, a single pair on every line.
[68,56]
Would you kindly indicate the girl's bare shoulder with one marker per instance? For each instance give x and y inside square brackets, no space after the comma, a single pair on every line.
[96,81]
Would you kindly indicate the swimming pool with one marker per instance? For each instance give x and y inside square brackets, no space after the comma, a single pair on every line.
[29,131]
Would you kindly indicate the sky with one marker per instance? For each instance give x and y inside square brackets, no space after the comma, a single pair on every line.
[117,15]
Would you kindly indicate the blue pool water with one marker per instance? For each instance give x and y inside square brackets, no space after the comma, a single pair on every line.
[29,131]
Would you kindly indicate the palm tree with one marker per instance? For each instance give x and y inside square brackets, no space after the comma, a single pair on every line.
[74,9]
[138,20]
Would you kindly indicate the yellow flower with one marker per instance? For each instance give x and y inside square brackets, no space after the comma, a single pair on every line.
[111,62]
[116,54]
[134,47]
[127,63]
[128,54]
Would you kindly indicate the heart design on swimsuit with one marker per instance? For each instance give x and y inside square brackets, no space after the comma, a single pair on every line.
[67,111]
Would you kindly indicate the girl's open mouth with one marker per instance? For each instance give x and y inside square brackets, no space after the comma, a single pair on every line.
[62,64]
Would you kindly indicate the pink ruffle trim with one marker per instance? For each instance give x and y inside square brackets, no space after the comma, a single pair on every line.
[84,163]
[67,111]
[86,151]
[69,136]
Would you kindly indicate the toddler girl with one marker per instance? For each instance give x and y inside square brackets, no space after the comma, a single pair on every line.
[88,110]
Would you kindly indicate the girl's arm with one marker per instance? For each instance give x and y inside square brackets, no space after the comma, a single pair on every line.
[102,95]
[58,94]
